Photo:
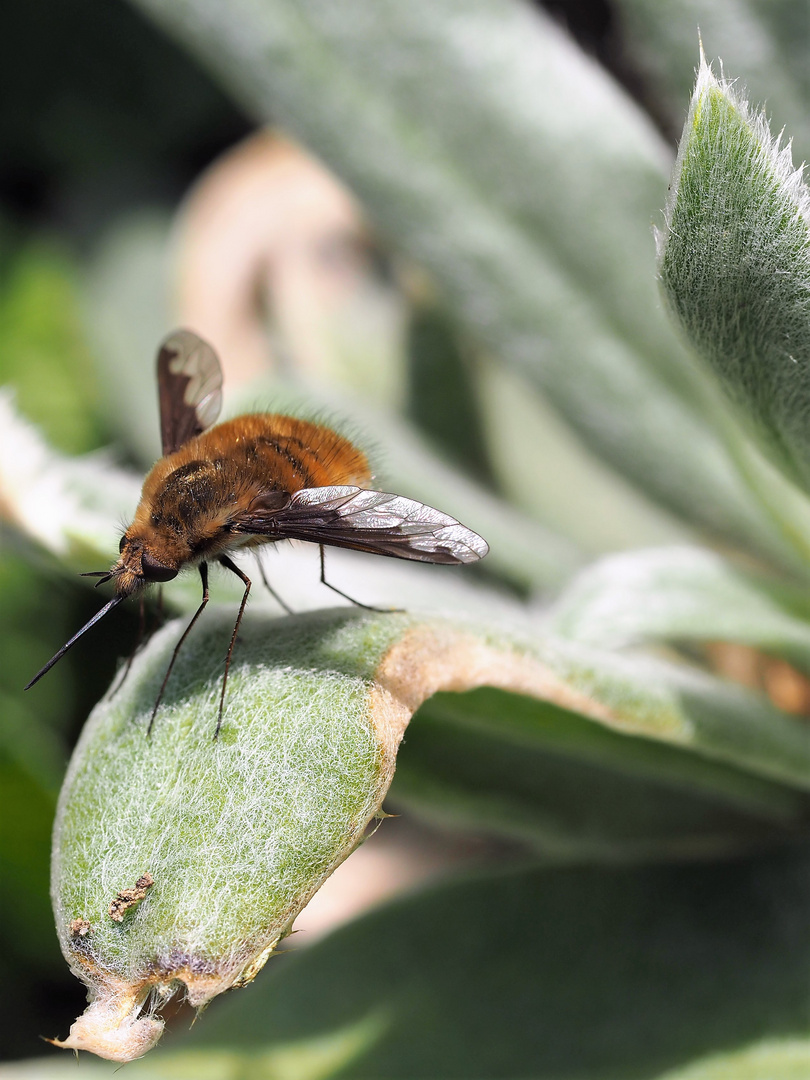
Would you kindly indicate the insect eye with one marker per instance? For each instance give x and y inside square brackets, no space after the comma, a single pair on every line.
[123,542]
[153,570]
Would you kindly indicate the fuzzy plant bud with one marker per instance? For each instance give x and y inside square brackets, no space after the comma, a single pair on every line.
[180,861]
[734,260]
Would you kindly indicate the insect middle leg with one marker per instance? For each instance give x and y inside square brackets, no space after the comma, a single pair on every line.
[351,599]
[178,646]
[270,588]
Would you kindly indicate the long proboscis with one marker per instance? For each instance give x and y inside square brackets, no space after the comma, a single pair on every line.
[69,644]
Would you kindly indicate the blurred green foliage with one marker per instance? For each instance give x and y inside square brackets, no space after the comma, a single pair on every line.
[43,350]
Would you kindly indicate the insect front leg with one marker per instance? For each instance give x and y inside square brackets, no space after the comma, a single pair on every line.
[138,642]
[178,646]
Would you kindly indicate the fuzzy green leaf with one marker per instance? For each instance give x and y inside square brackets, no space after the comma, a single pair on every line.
[632,973]
[71,507]
[772,1059]
[513,765]
[735,265]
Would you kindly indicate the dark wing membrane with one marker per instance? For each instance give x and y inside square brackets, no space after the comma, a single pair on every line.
[373,521]
[189,388]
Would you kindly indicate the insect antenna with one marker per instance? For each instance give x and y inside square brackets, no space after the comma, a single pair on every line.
[102,575]
[69,644]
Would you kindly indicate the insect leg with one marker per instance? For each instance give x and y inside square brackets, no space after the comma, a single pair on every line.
[351,599]
[160,614]
[135,647]
[178,646]
[270,588]
[226,562]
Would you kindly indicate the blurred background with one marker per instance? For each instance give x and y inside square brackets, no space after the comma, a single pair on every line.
[135,195]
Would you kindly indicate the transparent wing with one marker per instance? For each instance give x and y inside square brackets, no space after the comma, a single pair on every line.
[189,388]
[373,521]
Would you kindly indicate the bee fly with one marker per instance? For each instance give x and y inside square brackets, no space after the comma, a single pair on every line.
[255,480]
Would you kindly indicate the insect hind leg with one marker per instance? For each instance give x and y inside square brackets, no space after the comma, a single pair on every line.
[351,599]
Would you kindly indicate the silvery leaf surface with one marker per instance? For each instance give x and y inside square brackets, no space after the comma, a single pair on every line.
[680,594]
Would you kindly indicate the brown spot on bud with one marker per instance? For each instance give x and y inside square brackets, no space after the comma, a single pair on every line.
[80,928]
[128,898]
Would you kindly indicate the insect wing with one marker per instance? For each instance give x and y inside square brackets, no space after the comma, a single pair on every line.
[373,521]
[189,388]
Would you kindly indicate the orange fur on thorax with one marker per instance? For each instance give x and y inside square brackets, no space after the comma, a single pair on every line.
[322,457]
[230,465]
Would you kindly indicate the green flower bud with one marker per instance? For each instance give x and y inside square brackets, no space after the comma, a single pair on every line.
[181,861]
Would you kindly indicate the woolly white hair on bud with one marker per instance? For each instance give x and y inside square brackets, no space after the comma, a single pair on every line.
[779,155]
[180,861]
[734,262]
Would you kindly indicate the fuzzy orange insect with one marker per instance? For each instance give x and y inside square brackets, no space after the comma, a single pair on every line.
[255,480]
